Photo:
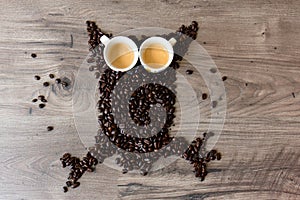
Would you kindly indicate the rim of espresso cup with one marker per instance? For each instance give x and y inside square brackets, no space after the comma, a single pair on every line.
[157,40]
[108,43]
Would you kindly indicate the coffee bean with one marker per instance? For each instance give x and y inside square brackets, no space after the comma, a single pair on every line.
[65,189]
[64,84]
[97,75]
[218,155]
[90,169]
[33,55]
[40,97]
[144,173]
[46,84]
[124,171]
[75,185]
[189,71]
[44,101]
[58,81]
[224,78]
[36,77]
[66,155]
[42,105]
[34,100]
[68,183]
[91,68]
[204,96]
[90,60]
[50,128]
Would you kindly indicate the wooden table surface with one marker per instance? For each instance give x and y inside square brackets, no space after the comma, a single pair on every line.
[255,43]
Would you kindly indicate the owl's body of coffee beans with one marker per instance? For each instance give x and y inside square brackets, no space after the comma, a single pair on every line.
[114,138]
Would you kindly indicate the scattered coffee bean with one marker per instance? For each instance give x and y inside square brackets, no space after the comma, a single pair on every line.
[293,94]
[75,185]
[34,100]
[36,77]
[64,84]
[50,128]
[65,189]
[41,97]
[46,84]
[204,96]
[224,78]
[189,71]
[58,81]
[33,55]
[42,105]
[51,76]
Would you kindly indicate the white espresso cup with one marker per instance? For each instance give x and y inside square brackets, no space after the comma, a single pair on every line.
[156,53]
[120,53]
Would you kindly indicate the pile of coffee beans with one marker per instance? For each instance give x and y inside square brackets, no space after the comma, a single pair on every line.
[197,156]
[78,167]
[95,34]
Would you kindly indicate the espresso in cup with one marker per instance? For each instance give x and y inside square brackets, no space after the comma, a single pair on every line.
[120,53]
[156,53]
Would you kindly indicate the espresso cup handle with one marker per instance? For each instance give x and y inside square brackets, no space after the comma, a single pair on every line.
[104,39]
[172,41]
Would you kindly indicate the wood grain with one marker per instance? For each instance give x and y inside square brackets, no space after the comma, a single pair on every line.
[254,43]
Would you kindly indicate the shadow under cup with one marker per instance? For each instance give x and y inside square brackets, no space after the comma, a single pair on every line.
[120,53]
